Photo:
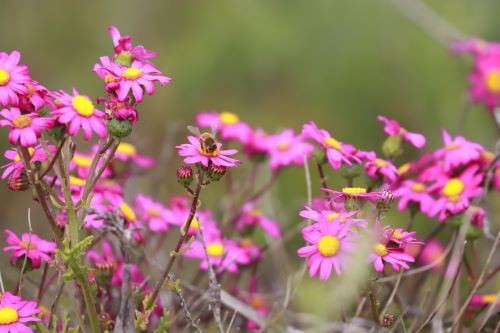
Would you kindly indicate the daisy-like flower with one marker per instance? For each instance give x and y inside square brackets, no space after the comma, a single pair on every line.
[412,191]
[126,152]
[336,151]
[432,253]
[353,193]
[397,257]
[251,216]
[32,246]
[16,313]
[194,153]
[327,248]
[25,129]
[286,148]
[35,98]
[152,212]
[482,300]
[230,125]
[178,212]
[380,167]
[458,151]
[78,112]
[124,49]
[139,77]
[13,78]
[455,193]
[17,166]
[256,147]
[393,128]
[399,236]
[340,217]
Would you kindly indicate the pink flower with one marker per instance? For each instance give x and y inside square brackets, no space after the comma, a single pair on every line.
[178,212]
[411,191]
[399,236]
[482,300]
[139,77]
[123,44]
[152,212]
[25,129]
[251,216]
[476,215]
[106,261]
[32,246]
[340,217]
[17,166]
[396,256]
[336,151]
[353,193]
[126,152]
[77,112]
[194,154]
[379,167]
[458,151]
[35,98]
[455,192]
[327,248]
[230,125]
[16,313]
[392,128]
[285,148]
[433,253]
[256,147]
[13,78]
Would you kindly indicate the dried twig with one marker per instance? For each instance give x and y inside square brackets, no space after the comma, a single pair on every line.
[184,306]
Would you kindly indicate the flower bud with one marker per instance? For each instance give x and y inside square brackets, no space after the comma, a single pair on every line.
[185,175]
[389,320]
[216,172]
[124,59]
[392,147]
[119,128]
[19,182]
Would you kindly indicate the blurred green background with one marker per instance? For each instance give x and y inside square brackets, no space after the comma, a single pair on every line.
[276,64]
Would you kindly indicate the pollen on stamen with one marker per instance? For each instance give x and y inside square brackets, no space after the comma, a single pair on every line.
[82,105]
[328,245]
[332,143]
[453,188]
[4,77]
[8,315]
[354,190]
[22,121]
[215,249]
[380,249]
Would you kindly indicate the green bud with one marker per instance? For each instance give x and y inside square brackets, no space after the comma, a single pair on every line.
[392,147]
[124,59]
[119,128]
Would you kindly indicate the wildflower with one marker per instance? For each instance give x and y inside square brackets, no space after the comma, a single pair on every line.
[13,78]
[251,216]
[194,154]
[393,128]
[105,262]
[257,147]
[340,217]
[433,253]
[353,193]
[412,191]
[378,166]
[124,49]
[399,236]
[458,151]
[396,256]
[229,125]
[482,300]
[32,246]
[25,129]
[126,152]
[35,98]
[336,151]
[15,167]
[327,248]
[455,192]
[152,212]
[185,175]
[15,313]
[285,148]
[77,112]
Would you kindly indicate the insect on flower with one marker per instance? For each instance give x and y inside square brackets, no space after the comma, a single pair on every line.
[208,141]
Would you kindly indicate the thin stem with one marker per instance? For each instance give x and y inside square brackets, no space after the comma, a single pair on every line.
[183,237]
[39,293]
[54,158]
[373,303]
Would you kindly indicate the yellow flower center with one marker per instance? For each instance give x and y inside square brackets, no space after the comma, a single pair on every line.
[28,245]
[493,81]
[328,246]
[75,181]
[489,298]
[380,249]
[404,168]
[418,187]
[153,212]
[255,212]
[354,190]
[453,188]
[332,216]
[132,73]
[127,211]
[228,118]
[82,105]
[380,163]
[452,146]
[195,224]
[21,121]
[207,153]
[82,161]
[17,158]
[332,143]
[283,146]
[126,149]
[8,316]
[397,235]
[215,249]
[4,77]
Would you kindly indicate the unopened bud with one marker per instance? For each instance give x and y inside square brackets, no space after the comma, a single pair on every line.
[124,59]
[185,175]
[389,320]
[384,203]
[392,147]
[18,183]
[216,172]
[119,128]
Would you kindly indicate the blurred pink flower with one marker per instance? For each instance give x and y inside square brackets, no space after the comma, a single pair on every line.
[230,125]
[13,78]
[458,151]
[123,44]
[25,129]
[379,167]
[286,148]
[251,216]
[32,246]
[392,128]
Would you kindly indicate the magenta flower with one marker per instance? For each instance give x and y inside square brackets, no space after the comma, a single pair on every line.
[353,193]
[230,125]
[16,313]
[25,129]
[411,191]
[433,253]
[392,128]
[252,216]
[327,248]
[105,261]
[35,98]
[256,146]
[458,151]
[455,193]
[13,78]
[123,44]
[285,148]
[77,112]
[397,257]
[152,212]
[139,77]
[379,167]
[336,151]
[17,166]
[32,246]
[126,152]
[194,154]
[178,212]
[399,236]
[340,217]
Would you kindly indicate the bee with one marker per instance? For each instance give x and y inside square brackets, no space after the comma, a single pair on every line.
[208,141]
